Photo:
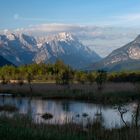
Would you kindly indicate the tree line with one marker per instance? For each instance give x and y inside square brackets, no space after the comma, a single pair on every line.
[63,74]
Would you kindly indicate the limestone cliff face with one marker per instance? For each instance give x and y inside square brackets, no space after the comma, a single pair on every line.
[24,49]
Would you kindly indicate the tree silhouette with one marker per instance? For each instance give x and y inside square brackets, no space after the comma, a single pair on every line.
[29,80]
[101,77]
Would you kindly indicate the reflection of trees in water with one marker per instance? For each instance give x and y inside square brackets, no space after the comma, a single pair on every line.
[8,100]
[20,102]
[38,106]
[49,105]
[99,115]
[66,106]
[3,99]
[136,114]
[29,109]
[90,105]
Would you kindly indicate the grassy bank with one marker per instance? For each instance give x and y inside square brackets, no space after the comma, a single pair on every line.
[111,92]
[21,128]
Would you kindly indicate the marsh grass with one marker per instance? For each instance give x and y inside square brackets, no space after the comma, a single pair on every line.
[111,92]
[8,108]
[22,128]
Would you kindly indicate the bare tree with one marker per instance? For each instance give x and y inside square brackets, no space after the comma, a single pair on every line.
[123,111]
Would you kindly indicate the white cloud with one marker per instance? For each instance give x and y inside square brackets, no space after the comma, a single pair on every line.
[53,27]
[102,39]
[5,31]
[130,17]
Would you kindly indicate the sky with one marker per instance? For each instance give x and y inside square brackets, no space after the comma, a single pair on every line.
[103,25]
[22,13]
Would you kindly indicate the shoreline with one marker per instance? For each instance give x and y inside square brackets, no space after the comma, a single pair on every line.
[111,93]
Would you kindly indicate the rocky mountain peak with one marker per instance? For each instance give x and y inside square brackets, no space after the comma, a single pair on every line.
[62,36]
[66,36]
[123,58]
[11,36]
[25,49]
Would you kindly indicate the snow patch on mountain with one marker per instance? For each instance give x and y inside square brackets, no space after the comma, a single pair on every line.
[25,49]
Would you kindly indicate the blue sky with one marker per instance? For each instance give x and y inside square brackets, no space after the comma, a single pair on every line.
[22,13]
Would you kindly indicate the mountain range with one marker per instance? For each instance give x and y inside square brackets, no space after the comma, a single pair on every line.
[22,49]
[124,58]
[3,62]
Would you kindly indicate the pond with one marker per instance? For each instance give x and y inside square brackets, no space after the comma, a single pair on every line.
[64,111]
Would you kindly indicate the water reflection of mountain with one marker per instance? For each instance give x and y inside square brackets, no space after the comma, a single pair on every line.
[64,110]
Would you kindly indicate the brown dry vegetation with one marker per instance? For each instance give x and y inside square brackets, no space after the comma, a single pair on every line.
[111,91]
[45,87]
[26,129]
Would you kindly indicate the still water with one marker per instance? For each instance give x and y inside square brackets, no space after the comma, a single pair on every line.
[64,111]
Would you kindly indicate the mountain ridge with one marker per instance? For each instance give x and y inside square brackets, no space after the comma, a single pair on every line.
[23,49]
[3,62]
[126,55]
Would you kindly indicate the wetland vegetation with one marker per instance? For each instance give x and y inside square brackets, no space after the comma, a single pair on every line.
[56,102]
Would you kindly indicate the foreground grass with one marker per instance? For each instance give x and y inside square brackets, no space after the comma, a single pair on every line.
[8,108]
[21,128]
[111,93]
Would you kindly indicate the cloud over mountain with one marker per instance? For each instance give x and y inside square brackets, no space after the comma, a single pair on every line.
[101,39]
